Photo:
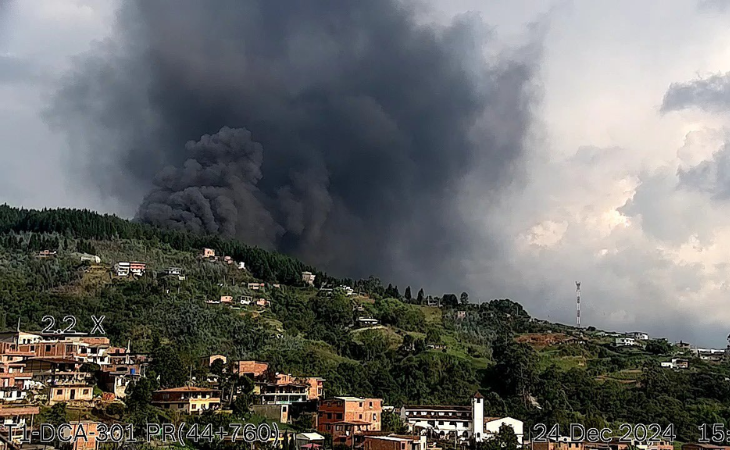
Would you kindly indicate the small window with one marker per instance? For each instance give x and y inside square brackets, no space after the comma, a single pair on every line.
[194,406]
[360,416]
[59,392]
[48,348]
[375,416]
[86,392]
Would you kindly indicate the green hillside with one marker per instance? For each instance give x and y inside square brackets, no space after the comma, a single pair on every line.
[537,371]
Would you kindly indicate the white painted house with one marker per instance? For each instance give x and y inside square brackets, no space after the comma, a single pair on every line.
[121,269]
[640,335]
[675,363]
[492,425]
[92,258]
[625,341]
[308,277]
[463,422]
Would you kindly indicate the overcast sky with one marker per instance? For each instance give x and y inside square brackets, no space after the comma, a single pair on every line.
[625,185]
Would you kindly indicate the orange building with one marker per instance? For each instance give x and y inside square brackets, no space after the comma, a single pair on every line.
[81,434]
[137,268]
[394,442]
[615,444]
[343,417]
[70,393]
[13,353]
[252,369]
[694,446]
[13,418]
[316,387]
[57,349]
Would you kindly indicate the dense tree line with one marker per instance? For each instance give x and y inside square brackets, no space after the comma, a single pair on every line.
[85,224]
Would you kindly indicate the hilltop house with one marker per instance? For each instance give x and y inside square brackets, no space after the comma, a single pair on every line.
[121,269]
[92,258]
[173,271]
[639,335]
[625,341]
[676,363]
[124,268]
[308,277]
[710,354]
[366,322]
[137,268]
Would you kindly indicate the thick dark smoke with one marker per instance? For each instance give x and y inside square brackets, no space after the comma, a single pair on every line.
[340,131]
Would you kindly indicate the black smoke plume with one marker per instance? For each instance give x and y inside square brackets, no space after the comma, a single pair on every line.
[340,131]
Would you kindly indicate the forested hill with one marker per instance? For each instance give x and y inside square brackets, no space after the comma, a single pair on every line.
[85,224]
[526,368]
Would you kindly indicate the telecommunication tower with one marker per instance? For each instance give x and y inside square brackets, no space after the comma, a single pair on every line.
[577,303]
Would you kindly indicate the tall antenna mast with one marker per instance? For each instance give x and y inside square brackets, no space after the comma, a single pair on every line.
[577,303]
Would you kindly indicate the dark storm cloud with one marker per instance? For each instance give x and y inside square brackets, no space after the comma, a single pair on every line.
[339,131]
[711,176]
[17,70]
[710,94]
[4,11]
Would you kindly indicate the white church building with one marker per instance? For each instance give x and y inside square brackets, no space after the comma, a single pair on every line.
[462,422]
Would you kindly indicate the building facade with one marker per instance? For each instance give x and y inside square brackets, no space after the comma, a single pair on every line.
[190,400]
[344,417]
